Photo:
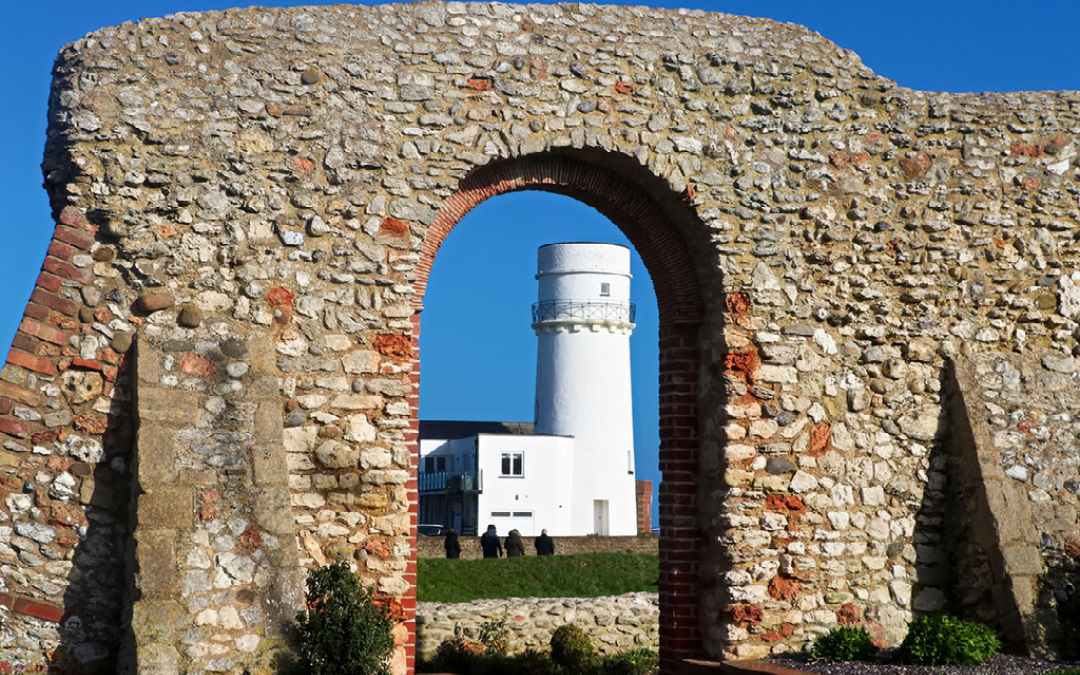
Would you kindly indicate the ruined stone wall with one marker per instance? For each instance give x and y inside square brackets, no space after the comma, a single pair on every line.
[616,624]
[820,239]
[1017,448]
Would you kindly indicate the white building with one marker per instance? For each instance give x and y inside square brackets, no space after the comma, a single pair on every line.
[572,471]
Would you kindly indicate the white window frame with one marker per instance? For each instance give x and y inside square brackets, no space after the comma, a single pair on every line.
[521,464]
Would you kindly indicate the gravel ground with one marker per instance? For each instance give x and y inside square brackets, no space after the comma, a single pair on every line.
[999,665]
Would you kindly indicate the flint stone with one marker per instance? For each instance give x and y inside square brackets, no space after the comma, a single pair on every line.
[1060,364]
[920,423]
[190,316]
[334,455]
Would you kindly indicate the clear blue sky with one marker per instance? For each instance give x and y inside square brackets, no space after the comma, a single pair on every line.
[476,325]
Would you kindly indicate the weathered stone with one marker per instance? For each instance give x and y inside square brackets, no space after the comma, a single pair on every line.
[154,302]
[190,316]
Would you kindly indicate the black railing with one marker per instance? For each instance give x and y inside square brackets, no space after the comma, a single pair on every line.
[440,481]
[552,310]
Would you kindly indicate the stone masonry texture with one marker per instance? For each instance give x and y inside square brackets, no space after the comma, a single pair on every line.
[248,203]
[615,624]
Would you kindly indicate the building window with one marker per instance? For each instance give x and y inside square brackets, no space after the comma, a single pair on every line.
[605,290]
[435,464]
[429,465]
[500,514]
[440,464]
[523,514]
[512,464]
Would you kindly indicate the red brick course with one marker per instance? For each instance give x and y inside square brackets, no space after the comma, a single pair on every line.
[31,362]
[74,237]
[43,331]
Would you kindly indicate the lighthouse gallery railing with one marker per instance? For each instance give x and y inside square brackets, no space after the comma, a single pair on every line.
[553,310]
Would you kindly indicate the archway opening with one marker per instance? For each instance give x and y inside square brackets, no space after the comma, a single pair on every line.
[654,218]
[480,350]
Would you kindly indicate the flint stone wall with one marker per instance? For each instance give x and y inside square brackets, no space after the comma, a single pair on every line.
[1017,446]
[821,241]
[432,547]
[615,623]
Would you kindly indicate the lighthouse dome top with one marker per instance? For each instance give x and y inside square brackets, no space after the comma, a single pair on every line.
[583,258]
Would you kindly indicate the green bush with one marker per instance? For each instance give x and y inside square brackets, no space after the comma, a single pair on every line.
[467,657]
[571,648]
[634,662]
[344,630]
[947,641]
[454,656]
[495,635]
[844,644]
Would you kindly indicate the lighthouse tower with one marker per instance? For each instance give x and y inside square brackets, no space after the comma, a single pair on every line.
[583,322]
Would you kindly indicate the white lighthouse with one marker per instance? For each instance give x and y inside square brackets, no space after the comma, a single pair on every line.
[583,322]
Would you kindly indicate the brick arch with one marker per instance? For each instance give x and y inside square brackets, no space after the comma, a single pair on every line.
[650,214]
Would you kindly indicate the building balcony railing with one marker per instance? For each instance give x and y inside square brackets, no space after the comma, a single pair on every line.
[554,310]
[441,481]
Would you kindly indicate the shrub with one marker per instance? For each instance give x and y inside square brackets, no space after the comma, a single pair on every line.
[947,641]
[455,656]
[495,635]
[634,662]
[344,629]
[571,648]
[844,644]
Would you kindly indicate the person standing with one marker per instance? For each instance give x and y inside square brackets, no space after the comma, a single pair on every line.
[545,545]
[489,541]
[453,548]
[515,547]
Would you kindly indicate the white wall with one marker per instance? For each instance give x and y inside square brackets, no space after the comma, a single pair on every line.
[544,489]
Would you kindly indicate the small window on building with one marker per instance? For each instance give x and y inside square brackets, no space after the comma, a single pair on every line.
[429,465]
[500,514]
[440,464]
[605,290]
[513,464]
[523,514]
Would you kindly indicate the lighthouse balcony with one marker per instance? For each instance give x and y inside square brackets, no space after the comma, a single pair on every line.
[450,483]
[574,310]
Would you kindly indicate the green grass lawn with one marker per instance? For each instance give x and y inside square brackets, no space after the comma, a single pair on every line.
[587,575]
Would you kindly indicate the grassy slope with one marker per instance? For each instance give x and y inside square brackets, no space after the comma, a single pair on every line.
[560,576]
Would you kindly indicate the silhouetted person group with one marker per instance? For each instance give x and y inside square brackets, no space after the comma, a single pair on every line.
[493,548]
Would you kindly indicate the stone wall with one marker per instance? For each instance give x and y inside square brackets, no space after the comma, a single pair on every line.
[615,624]
[1017,444]
[821,242]
[432,547]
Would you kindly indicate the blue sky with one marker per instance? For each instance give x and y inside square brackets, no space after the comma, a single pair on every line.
[478,350]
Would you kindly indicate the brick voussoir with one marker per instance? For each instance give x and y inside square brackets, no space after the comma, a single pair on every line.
[19,394]
[49,282]
[63,269]
[43,331]
[60,250]
[54,302]
[31,362]
[70,235]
